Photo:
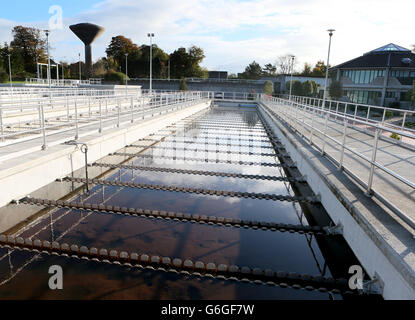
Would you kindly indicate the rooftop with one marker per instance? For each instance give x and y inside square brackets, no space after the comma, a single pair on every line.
[390,55]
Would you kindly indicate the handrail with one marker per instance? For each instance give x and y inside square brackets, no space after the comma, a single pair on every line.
[67,113]
[291,108]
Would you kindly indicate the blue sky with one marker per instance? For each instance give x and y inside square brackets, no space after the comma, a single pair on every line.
[232,33]
[31,10]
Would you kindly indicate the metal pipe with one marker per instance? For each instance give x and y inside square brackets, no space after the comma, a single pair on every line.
[372,164]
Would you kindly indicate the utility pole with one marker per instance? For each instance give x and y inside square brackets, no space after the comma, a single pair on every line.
[169,68]
[47,46]
[327,67]
[291,81]
[151,35]
[126,74]
[10,72]
[80,70]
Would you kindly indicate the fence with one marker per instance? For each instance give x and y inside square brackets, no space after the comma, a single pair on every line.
[302,113]
[60,111]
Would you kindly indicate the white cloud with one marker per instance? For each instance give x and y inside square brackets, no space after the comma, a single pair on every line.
[295,26]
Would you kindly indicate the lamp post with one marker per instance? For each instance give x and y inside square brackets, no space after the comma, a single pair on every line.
[291,81]
[327,67]
[126,73]
[80,71]
[169,68]
[47,47]
[151,35]
[10,72]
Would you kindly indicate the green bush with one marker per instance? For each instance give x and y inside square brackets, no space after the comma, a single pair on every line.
[388,114]
[23,75]
[268,87]
[116,77]
[183,85]
[395,104]
[395,136]
[3,76]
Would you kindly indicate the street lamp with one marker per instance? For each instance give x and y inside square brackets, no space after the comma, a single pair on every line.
[169,68]
[151,35]
[327,67]
[80,71]
[10,72]
[126,73]
[291,81]
[47,46]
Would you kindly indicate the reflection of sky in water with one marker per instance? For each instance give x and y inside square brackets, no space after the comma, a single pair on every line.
[265,249]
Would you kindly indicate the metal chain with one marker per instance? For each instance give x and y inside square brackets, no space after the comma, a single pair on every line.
[208,150]
[224,193]
[178,266]
[198,172]
[216,134]
[244,163]
[214,143]
[178,216]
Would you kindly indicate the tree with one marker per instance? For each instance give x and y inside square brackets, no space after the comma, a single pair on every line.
[284,63]
[30,45]
[412,93]
[336,90]
[252,71]
[16,60]
[319,69]
[183,85]
[306,70]
[308,88]
[186,63]
[99,68]
[118,47]
[268,87]
[297,88]
[269,70]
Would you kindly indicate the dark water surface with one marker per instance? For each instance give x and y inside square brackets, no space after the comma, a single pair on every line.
[24,275]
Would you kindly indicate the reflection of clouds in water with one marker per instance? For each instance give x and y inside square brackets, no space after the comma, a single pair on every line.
[231,200]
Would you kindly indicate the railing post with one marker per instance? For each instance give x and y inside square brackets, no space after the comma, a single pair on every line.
[118,113]
[372,164]
[89,106]
[100,116]
[76,121]
[1,124]
[42,116]
[403,124]
[132,110]
[325,135]
[67,107]
[343,145]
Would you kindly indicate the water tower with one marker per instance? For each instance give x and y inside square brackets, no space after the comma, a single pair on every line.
[87,32]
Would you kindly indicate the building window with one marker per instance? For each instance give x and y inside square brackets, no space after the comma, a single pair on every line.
[406,78]
[363,76]
[364,97]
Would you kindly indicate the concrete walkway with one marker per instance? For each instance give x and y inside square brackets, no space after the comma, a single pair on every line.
[391,155]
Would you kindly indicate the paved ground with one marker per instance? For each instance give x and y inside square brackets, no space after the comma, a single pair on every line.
[391,155]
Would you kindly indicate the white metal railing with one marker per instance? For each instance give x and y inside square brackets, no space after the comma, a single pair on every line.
[57,112]
[59,82]
[234,96]
[390,117]
[300,114]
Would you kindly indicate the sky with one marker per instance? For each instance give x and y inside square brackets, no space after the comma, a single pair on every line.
[232,33]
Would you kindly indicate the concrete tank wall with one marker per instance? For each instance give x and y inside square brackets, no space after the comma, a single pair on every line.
[201,85]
